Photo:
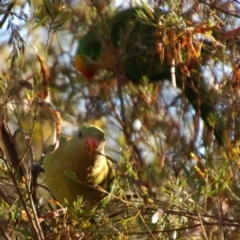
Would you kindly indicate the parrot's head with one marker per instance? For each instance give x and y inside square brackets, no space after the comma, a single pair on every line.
[86,66]
[94,138]
[91,56]
[88,55]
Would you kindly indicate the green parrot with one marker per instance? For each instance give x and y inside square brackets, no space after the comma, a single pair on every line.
[79,167]
[132,41]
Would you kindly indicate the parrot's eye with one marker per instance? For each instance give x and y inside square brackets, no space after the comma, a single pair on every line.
[80,134]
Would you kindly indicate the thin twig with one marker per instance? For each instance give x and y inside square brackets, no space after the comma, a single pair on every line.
[7,12]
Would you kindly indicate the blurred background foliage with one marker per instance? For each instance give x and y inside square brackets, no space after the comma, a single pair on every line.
[162,148]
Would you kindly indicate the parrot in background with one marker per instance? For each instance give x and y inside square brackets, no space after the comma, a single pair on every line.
[132,41]
[78,167]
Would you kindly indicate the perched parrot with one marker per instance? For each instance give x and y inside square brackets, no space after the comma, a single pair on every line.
[79,167]
[132,42]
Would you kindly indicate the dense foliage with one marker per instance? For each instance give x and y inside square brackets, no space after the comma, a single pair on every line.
[174,179]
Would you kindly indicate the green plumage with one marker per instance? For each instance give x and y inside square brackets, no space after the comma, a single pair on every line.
[74,170]
[95,51]
[134,42]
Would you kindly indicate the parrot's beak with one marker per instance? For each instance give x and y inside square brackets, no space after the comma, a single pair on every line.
[92,144]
